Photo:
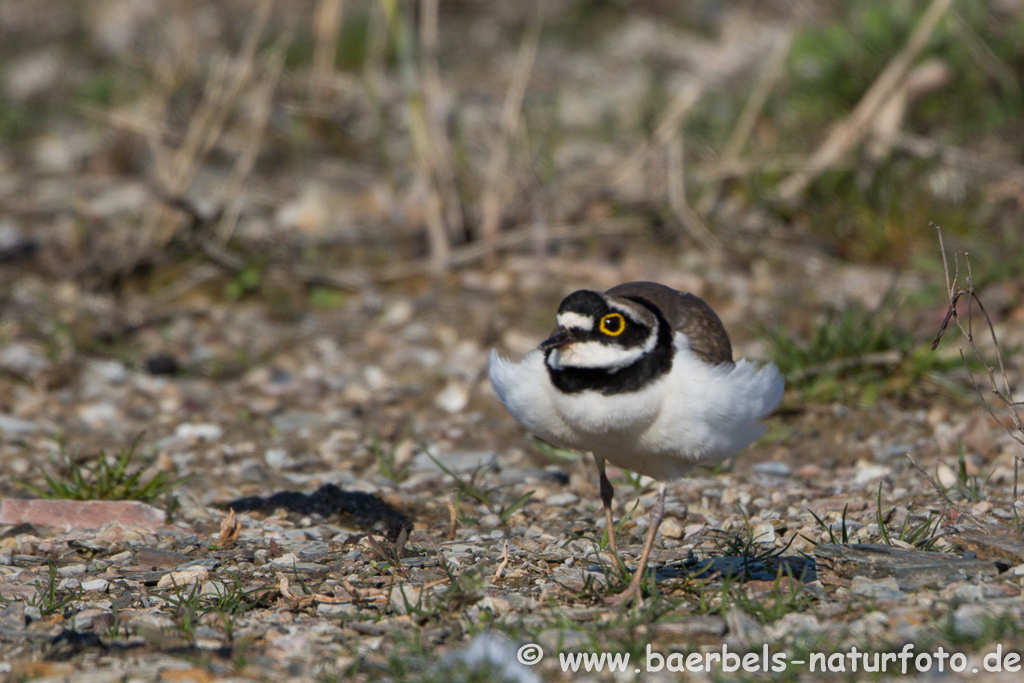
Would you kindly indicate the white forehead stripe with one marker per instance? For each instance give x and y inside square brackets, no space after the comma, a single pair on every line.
[628,311]
[575,320]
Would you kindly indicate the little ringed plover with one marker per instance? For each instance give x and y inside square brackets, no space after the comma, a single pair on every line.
[642,376]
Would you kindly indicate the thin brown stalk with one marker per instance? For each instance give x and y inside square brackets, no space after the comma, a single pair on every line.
[504,563]
[689,94]
[176,169]
[232,195]
[436,116]
[1004,395]
[718,171]
[422,136]
[961,511]
[676,187]
[326,33]
[852,130]
[771,72]
[356,280]
[497,182]
[774,68]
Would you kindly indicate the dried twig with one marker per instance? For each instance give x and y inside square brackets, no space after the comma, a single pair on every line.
[469,253]
[453,517]
[677,203]
[773,70]
[853,129]
[436,112]
[509,240]
[504,563]
[232,195]
[424,136]
[961,511]
[177,169]
[495,191]
[326,30]
[1004,394]
[881,359]
[689,94]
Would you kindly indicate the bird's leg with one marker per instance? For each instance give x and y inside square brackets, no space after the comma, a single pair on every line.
[606,500]
[633,591]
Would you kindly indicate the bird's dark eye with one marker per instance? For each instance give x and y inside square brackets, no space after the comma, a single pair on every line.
[613,324]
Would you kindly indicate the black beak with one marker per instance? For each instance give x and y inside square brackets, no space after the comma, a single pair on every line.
[560,338]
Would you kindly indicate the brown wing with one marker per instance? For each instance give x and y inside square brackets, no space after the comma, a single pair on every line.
[686,313]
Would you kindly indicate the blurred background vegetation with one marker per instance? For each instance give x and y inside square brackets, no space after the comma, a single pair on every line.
[296,152]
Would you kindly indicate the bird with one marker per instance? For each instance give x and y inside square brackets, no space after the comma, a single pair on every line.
[642,376]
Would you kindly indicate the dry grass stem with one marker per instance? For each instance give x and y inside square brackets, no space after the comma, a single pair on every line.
[357,279]
[232,195]
[773,70]
[987,61]
[176,169]
[498,183]
[961,511]
[1004,395]
[511,239]
[504,563]
[435,104]
[668,127]
[423,135]
[326,32]
[848,133]
[676,187]
[453,517]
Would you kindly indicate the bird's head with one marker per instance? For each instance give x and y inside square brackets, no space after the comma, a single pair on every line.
[600,331]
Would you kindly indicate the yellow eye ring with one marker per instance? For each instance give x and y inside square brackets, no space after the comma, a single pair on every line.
[617,327]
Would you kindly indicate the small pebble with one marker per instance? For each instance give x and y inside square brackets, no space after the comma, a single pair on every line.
[95,585]
[562,499]
[203,432]
[882,589]
[763,532]
[671,528]
[490,520]
[72,570]
[773,468]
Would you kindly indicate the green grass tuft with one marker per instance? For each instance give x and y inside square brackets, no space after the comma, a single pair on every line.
[109,479]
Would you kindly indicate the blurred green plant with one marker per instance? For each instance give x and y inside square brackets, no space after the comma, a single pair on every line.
[833,63]
[109,479]
[49,598]
[924,535]
[857,351]
[877,209]
[475,489]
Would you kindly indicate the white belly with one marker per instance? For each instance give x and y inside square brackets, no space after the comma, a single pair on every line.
[696,414]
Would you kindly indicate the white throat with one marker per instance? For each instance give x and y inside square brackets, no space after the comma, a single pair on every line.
[594,354]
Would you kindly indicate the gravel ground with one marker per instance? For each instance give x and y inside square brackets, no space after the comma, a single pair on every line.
[387,395]
[260,316]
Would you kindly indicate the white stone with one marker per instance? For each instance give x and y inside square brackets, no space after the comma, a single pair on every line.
[453,398]
[671,528]
[95,585]
[183,577]
[204,432]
